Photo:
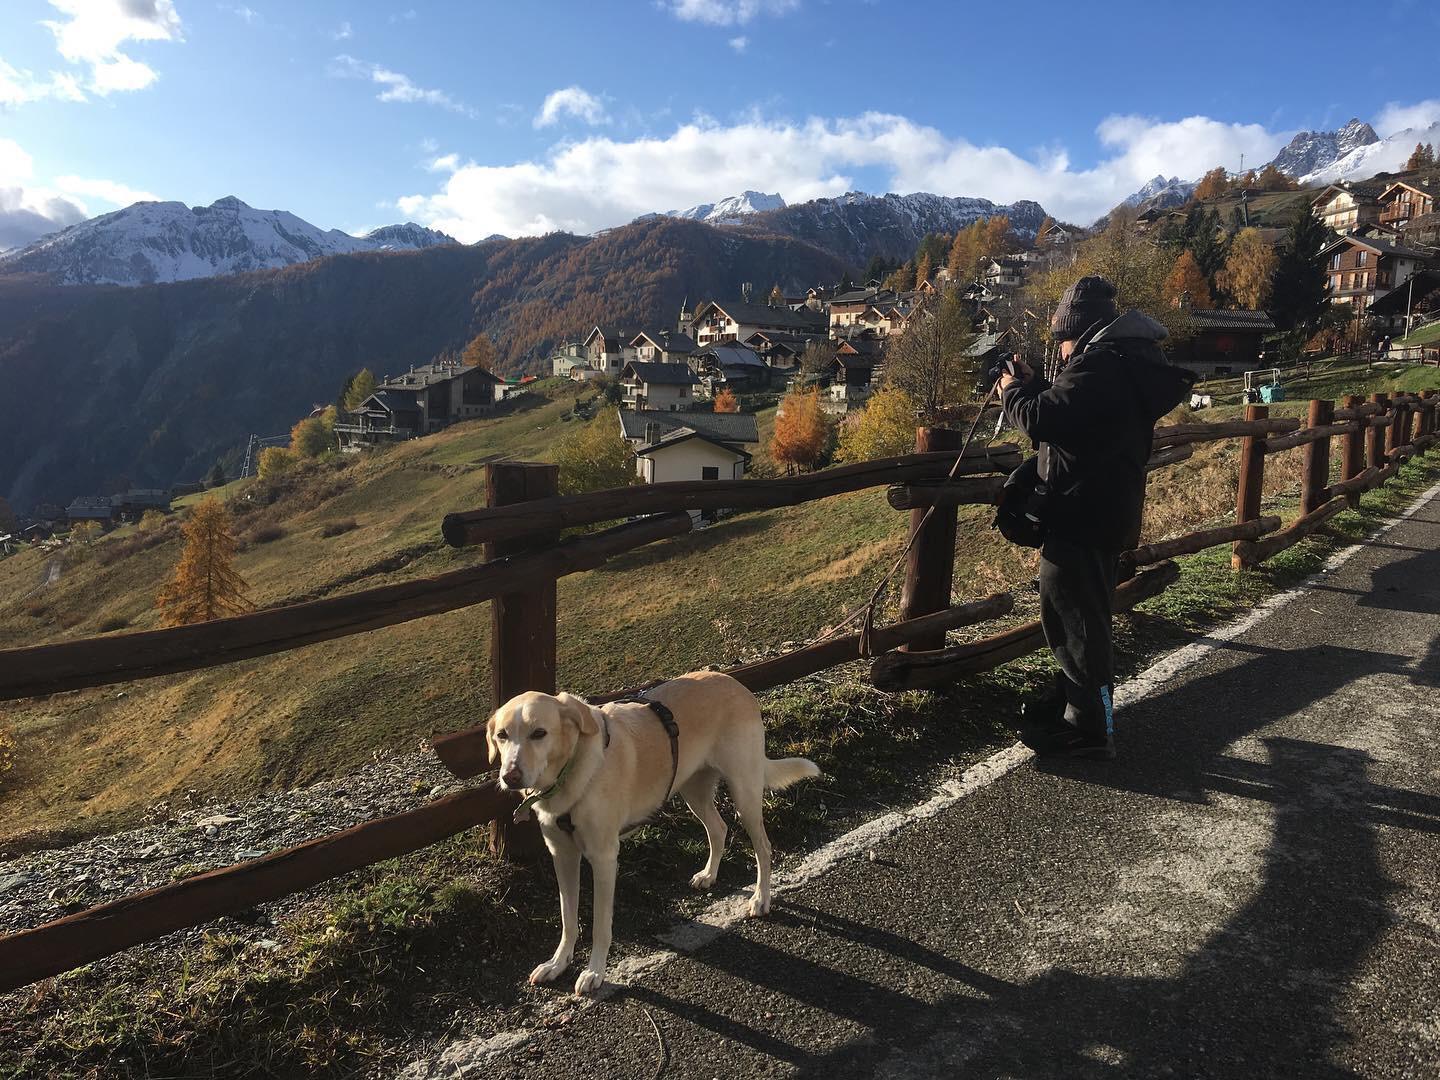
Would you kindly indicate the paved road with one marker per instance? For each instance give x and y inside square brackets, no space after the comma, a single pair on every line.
[1250,891]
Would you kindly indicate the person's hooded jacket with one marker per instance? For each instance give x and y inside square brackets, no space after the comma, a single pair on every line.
[1093,428]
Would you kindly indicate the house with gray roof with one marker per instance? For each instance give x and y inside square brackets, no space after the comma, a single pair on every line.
[662,387]
[424,400]
[690,446]
[717,321]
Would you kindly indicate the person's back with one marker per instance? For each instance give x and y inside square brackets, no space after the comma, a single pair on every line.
[1093,429]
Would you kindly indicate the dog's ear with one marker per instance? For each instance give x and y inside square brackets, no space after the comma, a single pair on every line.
[491,747]
[580,711]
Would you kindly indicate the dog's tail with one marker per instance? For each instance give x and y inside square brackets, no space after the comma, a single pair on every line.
[783,772]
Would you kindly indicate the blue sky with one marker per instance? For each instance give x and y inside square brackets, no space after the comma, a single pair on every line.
[490,116]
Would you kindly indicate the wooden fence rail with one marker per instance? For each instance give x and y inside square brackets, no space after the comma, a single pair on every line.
[1378,436]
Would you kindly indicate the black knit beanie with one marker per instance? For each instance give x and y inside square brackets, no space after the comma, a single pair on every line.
[1088,301]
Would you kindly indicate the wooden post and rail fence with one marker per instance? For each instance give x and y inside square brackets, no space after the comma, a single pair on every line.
[520,527]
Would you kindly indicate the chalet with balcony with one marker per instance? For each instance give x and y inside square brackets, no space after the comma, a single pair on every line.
[1003,274]
[738,367]
[852,375]
[1364,267]
[1403,201]
[717,321]
[658,387]
[424,400]
[1345,206]
[781,351]
[567,357]
[608,348]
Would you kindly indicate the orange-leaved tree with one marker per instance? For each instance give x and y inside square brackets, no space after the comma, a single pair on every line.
[479,352]
[205,585]
[802,431]
[1187,281]
[1249,269]
[1214,184]
[726,401]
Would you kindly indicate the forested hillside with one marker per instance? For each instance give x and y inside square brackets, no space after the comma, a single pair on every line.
[107,387]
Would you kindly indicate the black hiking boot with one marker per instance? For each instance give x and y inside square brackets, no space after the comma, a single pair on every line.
[1060,739]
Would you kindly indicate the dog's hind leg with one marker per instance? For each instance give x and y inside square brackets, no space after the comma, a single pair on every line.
[603,865]
[566,855]
[748,795]
[699,794]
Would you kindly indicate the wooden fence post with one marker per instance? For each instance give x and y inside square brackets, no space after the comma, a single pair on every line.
[1352,462]
[1252,480]
[1406,420]
[1395,433]
[522,629]
[1427,417]
[930,568]
[1375,450]
[1316,475]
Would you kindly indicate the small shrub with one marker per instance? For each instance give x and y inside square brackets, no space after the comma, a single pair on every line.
[152,519]
[109,626]
[337,528]
[266,534]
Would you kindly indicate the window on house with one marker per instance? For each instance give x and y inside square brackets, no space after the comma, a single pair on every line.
[1362,258]
[709,472]
[684,391]
[1335,261]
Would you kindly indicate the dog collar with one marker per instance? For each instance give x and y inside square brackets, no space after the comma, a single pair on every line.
[522,812]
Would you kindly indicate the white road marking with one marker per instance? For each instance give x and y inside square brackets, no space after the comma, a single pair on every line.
[467,1056]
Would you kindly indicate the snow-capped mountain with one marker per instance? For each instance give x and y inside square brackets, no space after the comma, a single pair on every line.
[1385,155]
[1161,194]
[1312,151]
[730,211]
[152,242]
[858,226]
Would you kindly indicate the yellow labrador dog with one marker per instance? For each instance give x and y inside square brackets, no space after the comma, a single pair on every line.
[592,773]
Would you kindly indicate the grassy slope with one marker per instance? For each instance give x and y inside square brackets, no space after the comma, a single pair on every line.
[96,759]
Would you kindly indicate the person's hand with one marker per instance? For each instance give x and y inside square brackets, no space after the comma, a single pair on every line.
[1022,374]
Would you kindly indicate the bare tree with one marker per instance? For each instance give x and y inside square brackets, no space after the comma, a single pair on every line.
[930,361]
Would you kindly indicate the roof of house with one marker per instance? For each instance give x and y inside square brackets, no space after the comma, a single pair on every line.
[1257,322]
[1398,299]
[764,315]
[1359,191]
[393,399]
[661,374]
[685,434]
[1377,245]
[89,502]
[612,335]
[726,427]
[864,350]
[423,375]
[665,340]
[731,355]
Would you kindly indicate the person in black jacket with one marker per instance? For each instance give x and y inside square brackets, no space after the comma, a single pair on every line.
[1092,429]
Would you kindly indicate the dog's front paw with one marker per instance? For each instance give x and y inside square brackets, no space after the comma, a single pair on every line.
[702,880]
[589,981]
[759,905]
[548,971]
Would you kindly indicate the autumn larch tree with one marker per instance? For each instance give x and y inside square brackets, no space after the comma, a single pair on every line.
[479,352]
[1272,179]
[1422,157]
[1186,284]
[922,270]
[595,456]
[884,428]
[802,431]
[929,361]
[311,437]
[727,402]
[1249,270]
[360,388]
[1214,184]
[205,584]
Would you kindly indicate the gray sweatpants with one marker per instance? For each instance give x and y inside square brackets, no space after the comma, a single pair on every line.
[1077,582]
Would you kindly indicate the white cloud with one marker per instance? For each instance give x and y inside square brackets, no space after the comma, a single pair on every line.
[727,12]
[571,101]
[344,33]
[28,212]
[1395,117]
[444,163]
[394,86]
[739,43]
[19,87]
[105,190]
[93,32]
[601,182]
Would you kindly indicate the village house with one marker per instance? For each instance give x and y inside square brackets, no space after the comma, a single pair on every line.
[716,321]
[852,374]
[662,347]
[1402,202]
[1215,343]
[695,446]
[424,400]
[568,357]
[658,387]
[131,505]
[1361,268]
[91,508]
[608,348]
[1003,274]
[1346,206]
[738,367]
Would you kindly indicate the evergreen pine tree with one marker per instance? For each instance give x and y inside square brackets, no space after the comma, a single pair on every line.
[1299,294]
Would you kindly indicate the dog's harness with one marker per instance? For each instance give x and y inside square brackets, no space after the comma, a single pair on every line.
[667,721]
